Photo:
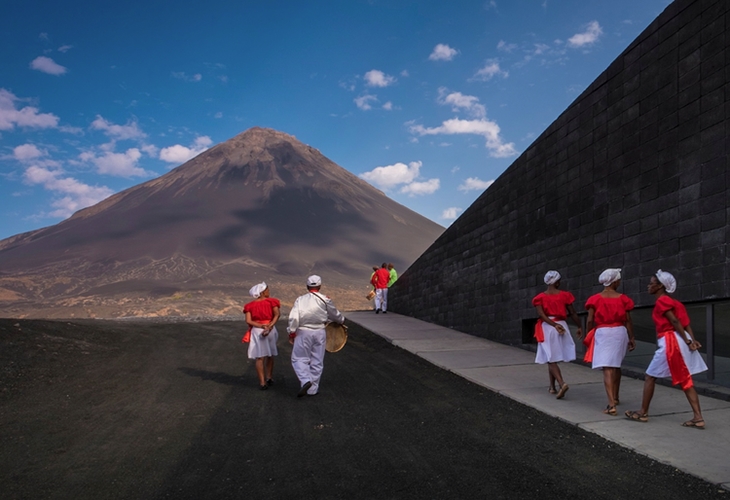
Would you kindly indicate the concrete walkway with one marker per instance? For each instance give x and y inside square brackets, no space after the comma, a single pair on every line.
[512,372]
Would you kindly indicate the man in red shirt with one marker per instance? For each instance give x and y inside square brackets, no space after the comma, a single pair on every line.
[380,282]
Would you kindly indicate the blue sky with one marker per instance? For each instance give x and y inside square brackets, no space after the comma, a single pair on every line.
[427,100]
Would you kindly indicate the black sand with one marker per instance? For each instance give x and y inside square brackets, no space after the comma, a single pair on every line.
[93,409]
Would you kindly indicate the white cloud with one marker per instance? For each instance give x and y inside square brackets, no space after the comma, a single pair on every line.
[388,106]
[442,52]
[27,152]
[390,176]
[28,116]
[474,184]
[119,132]
[376,78]
[364,101]
[506,47]
[459,101]
[404,73]
[451,213]
[588,37]
[181,75]
[65,48]
[419,188]
[117,164]
[489,71]
[483,127]
[180,154]
[47,65]
[76,194]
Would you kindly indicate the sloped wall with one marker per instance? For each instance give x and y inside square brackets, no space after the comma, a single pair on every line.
[632,175]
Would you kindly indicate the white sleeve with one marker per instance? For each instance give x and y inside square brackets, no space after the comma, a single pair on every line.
[333,314]
[293,317]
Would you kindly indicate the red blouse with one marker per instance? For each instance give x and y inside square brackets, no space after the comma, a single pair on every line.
[554,305]
[262,310]
[666,303]
[609,310]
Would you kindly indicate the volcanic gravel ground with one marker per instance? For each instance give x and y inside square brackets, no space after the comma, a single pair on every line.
[102,409]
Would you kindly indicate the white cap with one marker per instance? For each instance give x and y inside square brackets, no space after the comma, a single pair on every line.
[314,280]
[668,280]
[609,276]
[551,277]
[257,290]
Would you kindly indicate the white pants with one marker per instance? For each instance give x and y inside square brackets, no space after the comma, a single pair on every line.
[307,357]
[381,299]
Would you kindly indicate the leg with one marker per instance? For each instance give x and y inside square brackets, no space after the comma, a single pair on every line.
[617,385]
[694,402]
[317,360]
[385,300]
[551,387]
[649,384]
[378,300]
[555,372]
[260,371]
[269,369]
[301,357]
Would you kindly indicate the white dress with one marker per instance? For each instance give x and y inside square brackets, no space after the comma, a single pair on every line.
[611,345]
[555,347]
[659,367]
[262,347]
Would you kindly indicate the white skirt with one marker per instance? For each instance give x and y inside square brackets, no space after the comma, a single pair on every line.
[659,367]
[556,347]
[260,346]
[611,345]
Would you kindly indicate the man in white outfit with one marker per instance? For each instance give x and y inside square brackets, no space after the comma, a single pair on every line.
[307,320]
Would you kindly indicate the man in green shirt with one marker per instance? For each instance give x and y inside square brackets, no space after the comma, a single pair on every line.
[393,275]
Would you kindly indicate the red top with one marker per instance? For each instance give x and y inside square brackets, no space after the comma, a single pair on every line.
[380,278]
[262,310]
[554,305]
[666,303]
[609,310]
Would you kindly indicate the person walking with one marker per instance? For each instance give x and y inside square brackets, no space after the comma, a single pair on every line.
[380,281]
[610,333]
[306,328]
[393,274]
[262,313]
[677,354]
[554,342]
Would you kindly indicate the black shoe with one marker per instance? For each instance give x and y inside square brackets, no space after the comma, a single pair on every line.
[377,311]
[385,312]
[303,391]
[263,387]
[270,382]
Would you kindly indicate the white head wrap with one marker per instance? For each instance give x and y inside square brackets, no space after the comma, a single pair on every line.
[257,290]
[609,276]
[314,280]
[666,279]
[551,277]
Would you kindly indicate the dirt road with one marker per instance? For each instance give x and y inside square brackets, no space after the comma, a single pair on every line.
[143,410]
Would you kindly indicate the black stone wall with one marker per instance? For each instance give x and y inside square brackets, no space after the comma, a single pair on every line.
[634,174]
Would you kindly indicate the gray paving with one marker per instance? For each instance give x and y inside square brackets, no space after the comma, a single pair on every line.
[511,371]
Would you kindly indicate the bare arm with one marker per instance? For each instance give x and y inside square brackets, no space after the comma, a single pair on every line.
[576,320]
[692,341]
[630,331]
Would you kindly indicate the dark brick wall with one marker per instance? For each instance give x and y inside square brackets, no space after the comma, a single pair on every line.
[632,175]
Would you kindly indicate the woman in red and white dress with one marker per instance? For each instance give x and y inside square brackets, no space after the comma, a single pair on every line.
[677,355]
[610,333]
[554,342]
[262,313]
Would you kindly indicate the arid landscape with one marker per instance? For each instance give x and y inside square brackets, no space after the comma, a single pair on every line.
[261,206]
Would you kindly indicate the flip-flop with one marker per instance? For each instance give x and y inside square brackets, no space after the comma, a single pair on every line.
[695,424]
[610,410]
[562,391]
[635,416]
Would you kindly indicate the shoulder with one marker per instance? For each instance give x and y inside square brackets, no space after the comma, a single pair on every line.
[593,300]
[627,302]
[567,297]
[274,302]
[664,303]
[247,307]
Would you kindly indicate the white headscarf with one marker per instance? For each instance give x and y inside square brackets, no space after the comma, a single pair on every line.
[609,276]
[551,277]
[666,279]
[257,290]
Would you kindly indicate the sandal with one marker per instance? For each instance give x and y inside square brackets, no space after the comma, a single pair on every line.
[635,416]
[610,410]
[552,390]
[562,391]
[697,424]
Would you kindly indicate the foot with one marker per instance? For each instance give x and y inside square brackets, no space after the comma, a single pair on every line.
[636,416]
[552,390]
[263,387]
[697,424]
[303,391]
[385,312]
[562,391]
[377,311]
[610,410]
[270,381]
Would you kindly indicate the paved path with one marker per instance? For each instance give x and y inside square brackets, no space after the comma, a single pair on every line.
[512,372]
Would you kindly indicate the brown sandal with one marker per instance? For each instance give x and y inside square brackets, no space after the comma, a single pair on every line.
[635,416]
[552,390]
[697,424]
[562,391]
[610,410]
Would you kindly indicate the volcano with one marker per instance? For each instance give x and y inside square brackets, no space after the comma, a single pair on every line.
[261,206]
